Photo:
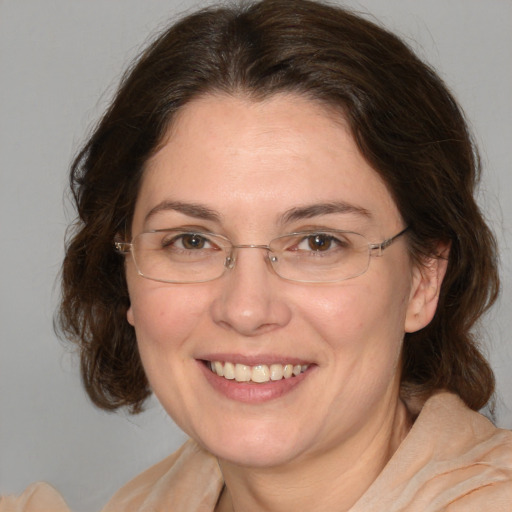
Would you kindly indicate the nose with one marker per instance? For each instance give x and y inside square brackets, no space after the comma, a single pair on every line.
[250,301]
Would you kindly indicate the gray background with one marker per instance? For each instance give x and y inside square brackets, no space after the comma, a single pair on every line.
[59,63]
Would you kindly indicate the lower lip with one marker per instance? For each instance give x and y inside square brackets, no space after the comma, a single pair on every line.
[251,392]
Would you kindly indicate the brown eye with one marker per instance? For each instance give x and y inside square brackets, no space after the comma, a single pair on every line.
[319,242]
[193,241]
[186,242]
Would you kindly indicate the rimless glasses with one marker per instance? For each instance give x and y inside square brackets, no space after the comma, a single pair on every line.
[177,256]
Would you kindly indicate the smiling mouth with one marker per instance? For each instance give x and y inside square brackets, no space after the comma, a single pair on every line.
[259,373]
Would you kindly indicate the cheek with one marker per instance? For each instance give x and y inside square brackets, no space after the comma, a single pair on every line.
[356,311]
[164,316]
[362,327]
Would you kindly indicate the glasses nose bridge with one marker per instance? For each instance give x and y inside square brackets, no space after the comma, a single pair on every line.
[231,259]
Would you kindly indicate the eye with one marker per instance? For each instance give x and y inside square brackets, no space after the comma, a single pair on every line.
[320,242]
[188,241]
[193,241]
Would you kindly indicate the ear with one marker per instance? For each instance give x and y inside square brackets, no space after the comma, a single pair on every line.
[426,287]
[129,316]
[120,238]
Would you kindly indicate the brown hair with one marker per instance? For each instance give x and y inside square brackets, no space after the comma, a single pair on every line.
[404,120]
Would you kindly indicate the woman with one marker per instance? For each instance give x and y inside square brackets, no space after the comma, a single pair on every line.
[278,237]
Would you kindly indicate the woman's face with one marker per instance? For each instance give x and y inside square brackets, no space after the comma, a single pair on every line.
[252,171]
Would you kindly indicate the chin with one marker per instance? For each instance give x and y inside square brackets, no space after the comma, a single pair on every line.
[260,446]
[257,456]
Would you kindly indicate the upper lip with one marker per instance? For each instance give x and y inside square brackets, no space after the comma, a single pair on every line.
[253,360]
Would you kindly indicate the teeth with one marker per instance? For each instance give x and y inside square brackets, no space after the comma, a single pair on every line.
[242,373]
[276,371]
[219,370]
[229,370]
[260,373]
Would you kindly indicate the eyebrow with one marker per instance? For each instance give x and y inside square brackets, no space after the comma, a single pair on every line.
[198,211]
[318,209]
[202,212]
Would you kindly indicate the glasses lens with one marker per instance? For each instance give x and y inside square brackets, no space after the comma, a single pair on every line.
[175,256]
[320,256]
[179,256]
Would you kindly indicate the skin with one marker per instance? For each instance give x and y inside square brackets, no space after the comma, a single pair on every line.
[321,445]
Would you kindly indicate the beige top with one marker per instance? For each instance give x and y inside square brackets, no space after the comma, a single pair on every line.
[452,460]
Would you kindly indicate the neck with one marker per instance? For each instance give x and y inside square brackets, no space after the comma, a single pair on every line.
[331,480]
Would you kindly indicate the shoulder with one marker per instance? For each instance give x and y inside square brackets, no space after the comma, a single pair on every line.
[471,459]
[461,433]
[447,410]
[453,459]
[189,479]
[38,497]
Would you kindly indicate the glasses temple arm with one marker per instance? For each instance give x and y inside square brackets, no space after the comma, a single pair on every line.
[386,243]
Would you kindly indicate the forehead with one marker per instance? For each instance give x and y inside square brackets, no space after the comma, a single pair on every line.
[237,156]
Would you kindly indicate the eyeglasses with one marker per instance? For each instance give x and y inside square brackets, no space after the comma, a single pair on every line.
[176,256]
